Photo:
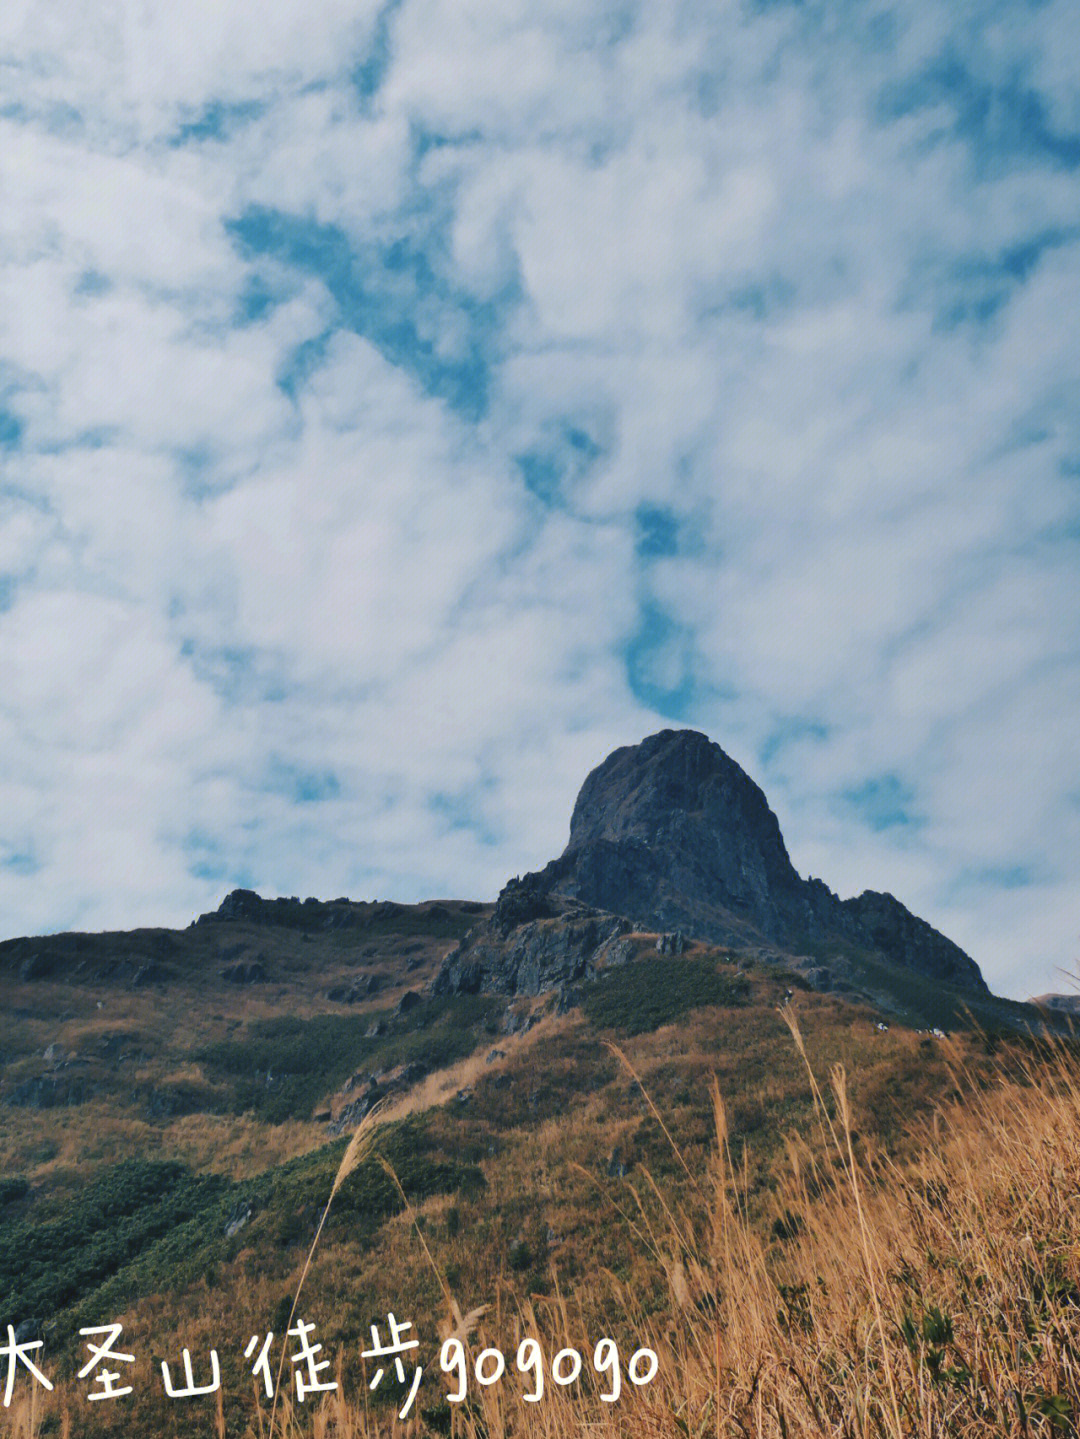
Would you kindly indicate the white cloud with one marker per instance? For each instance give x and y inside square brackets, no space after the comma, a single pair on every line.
[797,283]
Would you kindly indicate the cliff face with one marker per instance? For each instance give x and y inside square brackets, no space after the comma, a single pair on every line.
[673,829]
[673,834]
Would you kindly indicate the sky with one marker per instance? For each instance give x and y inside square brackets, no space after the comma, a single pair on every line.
[404,404]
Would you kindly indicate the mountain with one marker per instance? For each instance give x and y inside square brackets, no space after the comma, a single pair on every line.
[669,837]
[175,1104]
[672,835]
[1063,1003]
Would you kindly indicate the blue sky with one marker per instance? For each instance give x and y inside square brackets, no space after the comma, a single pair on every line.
[403,404]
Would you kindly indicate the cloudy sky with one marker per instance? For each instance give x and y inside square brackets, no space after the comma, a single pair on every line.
[403,404]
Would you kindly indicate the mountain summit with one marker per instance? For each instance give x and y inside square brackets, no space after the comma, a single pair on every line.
[673,831]
[672,834]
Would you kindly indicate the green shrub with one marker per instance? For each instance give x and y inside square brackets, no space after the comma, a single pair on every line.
[13,1188]
[646,993]
[46,1266]
[281,1068]
[521,1256]
[143,1226]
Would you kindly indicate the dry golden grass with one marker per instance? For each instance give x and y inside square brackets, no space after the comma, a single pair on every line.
[444,1084]
[928,1289]
[940,1297]
[236,1145]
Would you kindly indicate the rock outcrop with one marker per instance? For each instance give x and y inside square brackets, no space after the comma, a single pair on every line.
[245,906]
[672,834]
[533,957]
[906,940]
[134,957]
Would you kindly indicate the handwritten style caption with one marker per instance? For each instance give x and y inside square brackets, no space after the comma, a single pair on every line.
[308,1370]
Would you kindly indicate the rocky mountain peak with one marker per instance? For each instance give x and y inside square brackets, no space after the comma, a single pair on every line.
[673,831]
[672,834]
[706,826]
[640,790]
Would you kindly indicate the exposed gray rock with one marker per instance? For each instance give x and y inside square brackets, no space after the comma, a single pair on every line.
[816,976]
[95,958]
[566,997]
[151,973]
[387,1081]
[119,1046]
[520,901]
[614,952]
[351,1115]
[50,1092]
[671,943]
[357,991]
[237,1219]
[910,941]
[169,1101]
[239,904]
[673,834]
[536,957]
[248,971]
[245,906]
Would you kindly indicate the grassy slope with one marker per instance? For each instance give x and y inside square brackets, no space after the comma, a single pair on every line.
[518,1183]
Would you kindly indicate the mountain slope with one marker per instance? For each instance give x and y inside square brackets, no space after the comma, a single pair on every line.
[174,1104]
[671,834]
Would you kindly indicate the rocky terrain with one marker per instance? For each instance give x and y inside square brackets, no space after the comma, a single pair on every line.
[174,1104]
[1063,1003]
[672,847]
[671,835]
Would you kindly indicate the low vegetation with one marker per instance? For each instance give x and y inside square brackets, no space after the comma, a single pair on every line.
[646,993]
[281,1068]
[935,1297]
[871,1234]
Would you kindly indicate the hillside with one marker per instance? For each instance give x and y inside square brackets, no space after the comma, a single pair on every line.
[175,1104]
